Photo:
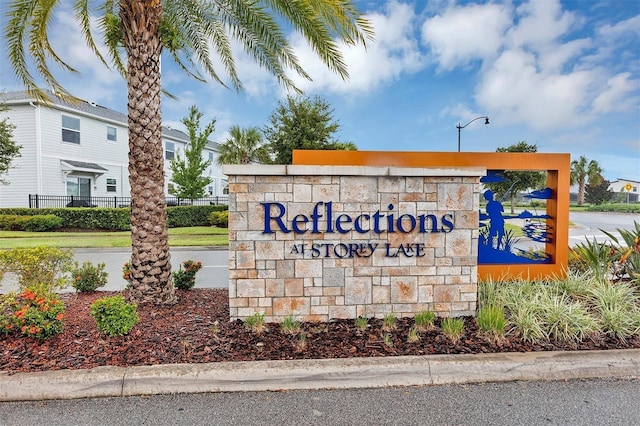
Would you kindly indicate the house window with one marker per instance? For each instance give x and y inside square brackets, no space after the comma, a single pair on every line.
[78,186]
[169,150]
[211,156]
[70,129]
[210,190]
[112,133]
[635,189]
[225,188]
[111,185]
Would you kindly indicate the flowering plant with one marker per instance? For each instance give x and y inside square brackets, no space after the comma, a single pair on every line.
[88,277]
[185,279]
[34,313]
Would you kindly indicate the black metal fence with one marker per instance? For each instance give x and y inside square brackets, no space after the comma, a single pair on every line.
[37,201]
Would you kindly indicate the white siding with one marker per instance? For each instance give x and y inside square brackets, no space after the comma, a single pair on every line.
[39,170]
[23,176]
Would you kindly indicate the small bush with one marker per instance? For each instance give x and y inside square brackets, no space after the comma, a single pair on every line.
[453,328]
[181,216]
[37,223]
[389,322]
[219,219]
[33,313]
[88,277]
[424,320]
[362,323]
[414,335]
[43,268]
[255,323]
[491,320]
[185,279]
[290,325]
[113,316]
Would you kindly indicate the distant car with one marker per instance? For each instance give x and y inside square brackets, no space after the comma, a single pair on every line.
[80,203]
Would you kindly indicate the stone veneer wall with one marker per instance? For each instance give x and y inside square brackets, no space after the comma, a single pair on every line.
[267,275]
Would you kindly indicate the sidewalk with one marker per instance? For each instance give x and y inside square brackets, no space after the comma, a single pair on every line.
[319,374]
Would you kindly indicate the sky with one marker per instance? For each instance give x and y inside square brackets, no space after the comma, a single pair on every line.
[564,75]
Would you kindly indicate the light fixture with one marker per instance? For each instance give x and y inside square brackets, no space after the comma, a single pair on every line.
[459,127]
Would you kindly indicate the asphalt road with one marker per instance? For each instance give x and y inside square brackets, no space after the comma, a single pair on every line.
[577,402]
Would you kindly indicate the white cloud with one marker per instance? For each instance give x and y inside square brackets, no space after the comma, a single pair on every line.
[463,34]
[97,82]
[629,26]
[394,52]
[532,69]
[539,25]
[618,95]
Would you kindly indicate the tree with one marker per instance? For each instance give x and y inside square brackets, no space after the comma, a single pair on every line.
[598,193]
[585,171]
[9,150]
[302,123]
[516,181]
[244,146]
[187,30]
[187,172]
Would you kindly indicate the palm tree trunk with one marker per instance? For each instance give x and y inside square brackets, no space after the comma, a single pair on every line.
[150,257]
[581,185]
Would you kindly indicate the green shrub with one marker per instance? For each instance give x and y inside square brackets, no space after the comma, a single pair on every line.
[219,219]
[615,207]
[113,316]
[389,322]
[116,219]
[181,216]
[37,223]
[453,328]
[255,322]
[183,279]
[424,320]
[617,307]
[491,320]
[290,325]
[88,277]
[46,268]
[42,223]
[33,313]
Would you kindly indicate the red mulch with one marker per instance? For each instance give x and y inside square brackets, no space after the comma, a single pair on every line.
[198,330]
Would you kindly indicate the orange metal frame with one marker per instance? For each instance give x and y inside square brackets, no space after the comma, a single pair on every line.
[557,167]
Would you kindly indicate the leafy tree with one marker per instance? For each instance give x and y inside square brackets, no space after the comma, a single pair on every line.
[187,172]
[188,30]
[9,150]
[516,181]
[302,123]
[585,171]
[244,146]
[598,193]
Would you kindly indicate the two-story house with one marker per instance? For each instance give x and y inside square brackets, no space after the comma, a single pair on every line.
[81,150]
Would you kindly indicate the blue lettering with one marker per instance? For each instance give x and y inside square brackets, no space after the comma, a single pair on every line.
[278,218]
[447,225]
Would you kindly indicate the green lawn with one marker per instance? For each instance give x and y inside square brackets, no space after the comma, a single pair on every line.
[178,237]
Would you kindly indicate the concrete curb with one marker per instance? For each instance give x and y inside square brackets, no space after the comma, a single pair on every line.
[318,374]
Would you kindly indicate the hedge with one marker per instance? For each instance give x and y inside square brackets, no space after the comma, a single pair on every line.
[117,218]
[35,223]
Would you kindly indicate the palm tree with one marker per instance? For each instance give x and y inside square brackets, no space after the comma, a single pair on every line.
[244,146]
[186,29]
[583,171]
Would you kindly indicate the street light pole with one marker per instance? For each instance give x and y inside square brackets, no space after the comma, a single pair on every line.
[459,127]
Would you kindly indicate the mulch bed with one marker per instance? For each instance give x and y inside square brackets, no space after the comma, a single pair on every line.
[198,330]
